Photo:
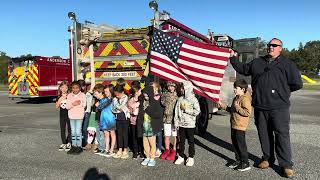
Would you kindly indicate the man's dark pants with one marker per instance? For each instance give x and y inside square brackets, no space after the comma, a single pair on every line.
[273,130]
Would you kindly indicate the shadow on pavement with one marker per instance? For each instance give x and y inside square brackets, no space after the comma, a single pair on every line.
[213,139]
[93,174]
[35,101]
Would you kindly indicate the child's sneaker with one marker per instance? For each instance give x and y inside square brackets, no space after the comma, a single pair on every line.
[234,164]
[78,151]
[179,161]
[99,152]
[110,154]
[62,147]
[190,161]
[172,155]
[88,147]
[165,154]
[158,153]
[135,156]
[68,147]
[124,155]
[142,156]
[104,153]
[243,167]
[118,155]
[145,162]
[152,162]
[73,149]
[94,148]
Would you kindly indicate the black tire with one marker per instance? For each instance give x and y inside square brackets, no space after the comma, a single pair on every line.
[203,117]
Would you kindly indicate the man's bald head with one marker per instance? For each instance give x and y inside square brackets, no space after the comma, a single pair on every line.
[274,47]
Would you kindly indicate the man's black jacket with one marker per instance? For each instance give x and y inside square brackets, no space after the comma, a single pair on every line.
[272,81]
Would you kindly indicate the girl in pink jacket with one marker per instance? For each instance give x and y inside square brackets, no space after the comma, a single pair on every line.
[76,102]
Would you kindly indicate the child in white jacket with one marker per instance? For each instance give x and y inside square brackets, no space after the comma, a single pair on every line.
[186,110]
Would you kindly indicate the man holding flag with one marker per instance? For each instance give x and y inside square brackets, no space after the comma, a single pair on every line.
[274,77]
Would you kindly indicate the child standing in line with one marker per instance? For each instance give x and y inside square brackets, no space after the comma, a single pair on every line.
[64,119]
[91,131]
[108,121]
[152,122]
[87,111]
[240,111]
[76,102]
[133,106]
[169,100]
[98,92]
[119,107]
[186,110]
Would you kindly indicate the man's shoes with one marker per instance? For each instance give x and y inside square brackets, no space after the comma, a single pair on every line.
[264,164]
[288,173]
[243,167]
[233,164]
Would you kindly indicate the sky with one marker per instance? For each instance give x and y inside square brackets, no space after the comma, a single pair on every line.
[39,27]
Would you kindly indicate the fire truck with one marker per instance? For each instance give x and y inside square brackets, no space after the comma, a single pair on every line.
[103,54]
[37,76]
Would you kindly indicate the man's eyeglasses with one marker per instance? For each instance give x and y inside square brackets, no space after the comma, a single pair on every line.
[273,45]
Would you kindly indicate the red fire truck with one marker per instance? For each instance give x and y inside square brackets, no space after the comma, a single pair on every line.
[37,76]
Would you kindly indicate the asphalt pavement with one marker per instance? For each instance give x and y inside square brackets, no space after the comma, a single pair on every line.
[29,136]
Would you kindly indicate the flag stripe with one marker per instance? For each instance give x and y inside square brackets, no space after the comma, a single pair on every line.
[221,55]
[166,64]
[170,73]
[207,81]
[202,71]
[188,62]
[202,57]
[203,76]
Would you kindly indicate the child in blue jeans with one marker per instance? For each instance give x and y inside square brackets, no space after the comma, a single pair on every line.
[76,102]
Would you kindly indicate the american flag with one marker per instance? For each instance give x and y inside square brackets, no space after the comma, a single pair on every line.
[176,59]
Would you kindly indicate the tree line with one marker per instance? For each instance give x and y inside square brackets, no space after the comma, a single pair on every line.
[306,57]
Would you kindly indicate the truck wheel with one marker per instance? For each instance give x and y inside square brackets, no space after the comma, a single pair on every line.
[203,117]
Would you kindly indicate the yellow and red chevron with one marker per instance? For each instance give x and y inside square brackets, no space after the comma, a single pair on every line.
[16,75]
[123,48]
[33,80]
